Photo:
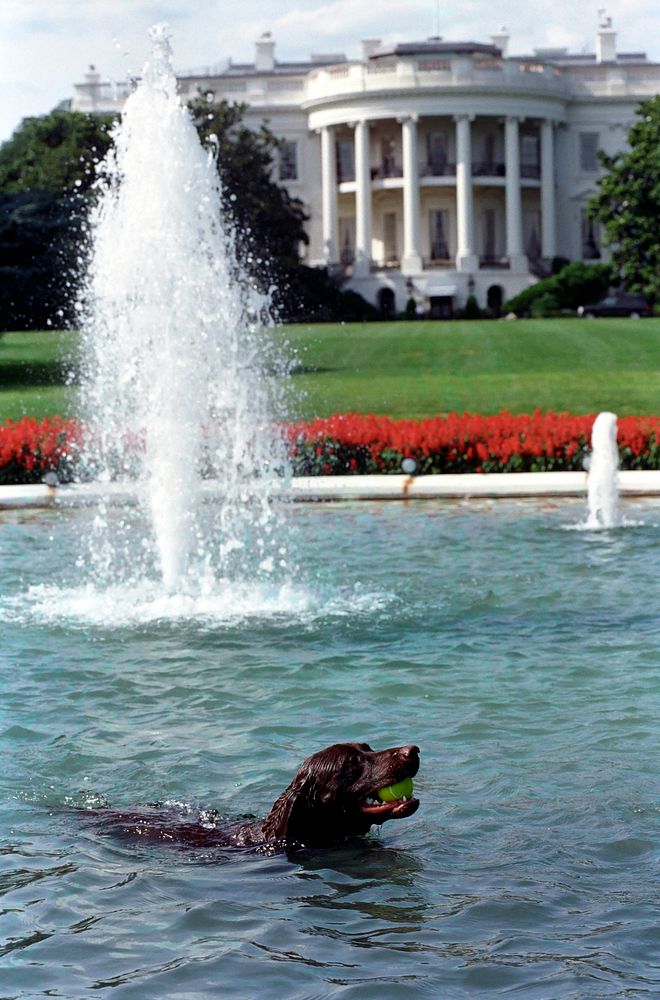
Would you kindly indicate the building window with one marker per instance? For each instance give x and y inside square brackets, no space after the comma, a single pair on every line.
[390,247]
[489,237]
[345,160]
[347,241]
[438,225]
[590,237]
[532,233]
[488,166]
[589,152]
[289,161]
[388,157]
[437,154]
[489,149]
[529,156]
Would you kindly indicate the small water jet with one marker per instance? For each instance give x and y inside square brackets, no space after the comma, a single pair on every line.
[178,383]
[603,479]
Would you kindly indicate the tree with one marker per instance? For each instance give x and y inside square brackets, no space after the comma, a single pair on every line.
[627,202]
[39,232]
[46,177]
[46,168]
[268,222]
[55,152]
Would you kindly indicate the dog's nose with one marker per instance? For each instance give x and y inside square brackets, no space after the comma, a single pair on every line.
[409,751]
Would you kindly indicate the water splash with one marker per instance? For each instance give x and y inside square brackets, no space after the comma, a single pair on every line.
[178,378]
[603,480]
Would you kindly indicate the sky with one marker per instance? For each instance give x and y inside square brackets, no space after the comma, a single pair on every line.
[47,45]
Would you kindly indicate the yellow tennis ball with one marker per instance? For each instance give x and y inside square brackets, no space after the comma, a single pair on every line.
[392,793]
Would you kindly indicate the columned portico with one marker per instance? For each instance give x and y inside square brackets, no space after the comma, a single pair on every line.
[514,233]
[412,250]
[548,207]
[466,259]
[329,194]
[362,262]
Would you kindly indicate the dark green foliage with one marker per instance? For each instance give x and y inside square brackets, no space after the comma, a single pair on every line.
[472,310]
[576,284]
[45,169]
[269,223]
[558,264]
[55,152]
[627,204]
[39,234]
[308,294]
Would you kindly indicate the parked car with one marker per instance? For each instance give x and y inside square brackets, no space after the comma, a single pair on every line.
[618,304]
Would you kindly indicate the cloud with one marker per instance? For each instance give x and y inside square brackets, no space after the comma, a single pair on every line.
[46,45]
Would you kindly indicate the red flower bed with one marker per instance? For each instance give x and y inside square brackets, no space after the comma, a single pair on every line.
[356,444]
[30,448]
[537,442]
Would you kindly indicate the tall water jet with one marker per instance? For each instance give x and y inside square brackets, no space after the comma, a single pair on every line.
[603,478]
[179,384]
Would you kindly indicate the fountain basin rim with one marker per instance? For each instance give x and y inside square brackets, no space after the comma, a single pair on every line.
[315,488]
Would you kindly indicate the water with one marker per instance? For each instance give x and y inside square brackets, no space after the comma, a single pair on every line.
[603,478]
[181,379]
[521,657]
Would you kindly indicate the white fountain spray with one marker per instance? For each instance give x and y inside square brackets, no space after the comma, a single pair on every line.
[603,478]
[176,356]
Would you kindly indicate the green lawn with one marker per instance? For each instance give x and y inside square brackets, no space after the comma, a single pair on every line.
[420,369]
[410,369]
[33,374]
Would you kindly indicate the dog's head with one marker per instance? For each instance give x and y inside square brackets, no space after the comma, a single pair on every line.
[334,794]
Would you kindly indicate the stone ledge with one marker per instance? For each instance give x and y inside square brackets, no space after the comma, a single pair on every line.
[318,488]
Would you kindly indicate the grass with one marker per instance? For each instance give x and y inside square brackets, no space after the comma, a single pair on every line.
[411,369]
[423,368]
[33,374]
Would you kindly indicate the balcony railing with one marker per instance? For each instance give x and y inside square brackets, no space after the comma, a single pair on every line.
[479,169]
[488,168]
[437,169]
[386,170]
[497,263]
[439,262]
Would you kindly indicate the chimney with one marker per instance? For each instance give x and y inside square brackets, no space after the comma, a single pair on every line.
[264,58]
[501,40]
[369,46]
[605,40]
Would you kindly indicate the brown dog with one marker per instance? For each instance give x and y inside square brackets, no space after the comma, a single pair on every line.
[333,796]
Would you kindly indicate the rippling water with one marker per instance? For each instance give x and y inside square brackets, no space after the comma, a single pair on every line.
[523,658]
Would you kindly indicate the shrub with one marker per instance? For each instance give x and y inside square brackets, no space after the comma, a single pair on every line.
[576,284]
[472,309]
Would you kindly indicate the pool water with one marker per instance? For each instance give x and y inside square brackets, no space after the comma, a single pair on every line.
[521,655]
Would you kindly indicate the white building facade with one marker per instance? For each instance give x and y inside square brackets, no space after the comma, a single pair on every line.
[436,170]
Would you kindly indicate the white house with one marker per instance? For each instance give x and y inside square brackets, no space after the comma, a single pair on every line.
[436,169]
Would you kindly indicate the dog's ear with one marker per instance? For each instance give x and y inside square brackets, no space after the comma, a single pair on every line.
[287,820]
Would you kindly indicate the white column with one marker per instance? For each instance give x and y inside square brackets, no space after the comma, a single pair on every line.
[362,201]
[329,194]
[466,259]
[412,256]
[548,208]
[514,241]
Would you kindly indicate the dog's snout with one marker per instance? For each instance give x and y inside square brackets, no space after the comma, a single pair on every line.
[409,751]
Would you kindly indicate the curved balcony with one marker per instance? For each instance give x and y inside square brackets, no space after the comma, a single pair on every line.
[420,74]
